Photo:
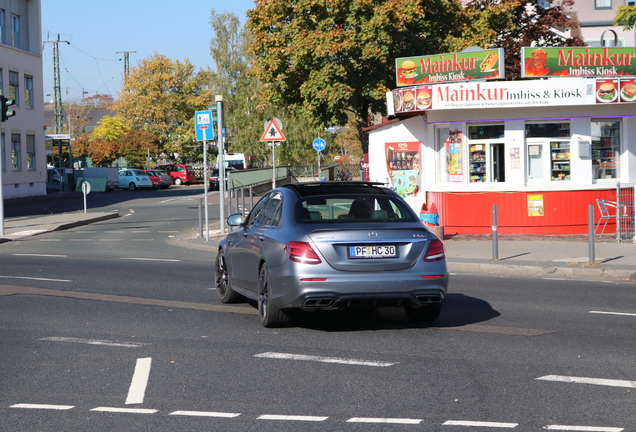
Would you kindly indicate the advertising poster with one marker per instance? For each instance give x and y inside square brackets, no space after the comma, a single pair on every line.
[444,68]
[454,156]
[515,158]
[577,61]
[403,161]
[535,205]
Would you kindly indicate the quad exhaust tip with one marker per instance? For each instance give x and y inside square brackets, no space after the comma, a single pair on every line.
[319,302]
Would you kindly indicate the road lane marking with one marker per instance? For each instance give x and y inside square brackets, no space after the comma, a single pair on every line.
[13,290]
[125,410]
[151,259]
[480,424]
[593,381]
[92,342]
[205,414]
[291,417]
[283,356]
[584,428]
[142,239]
[41,255]
[43,406]
[35,278]
[137,389]
[50,240]
[614,313]
[384,420]
[81,240]
[111,240]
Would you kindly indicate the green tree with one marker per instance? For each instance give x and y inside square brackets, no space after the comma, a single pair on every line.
[322,60]
[626,17]
[160,96]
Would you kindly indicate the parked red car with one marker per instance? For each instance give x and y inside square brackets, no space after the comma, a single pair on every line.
[154,178]
[181,174]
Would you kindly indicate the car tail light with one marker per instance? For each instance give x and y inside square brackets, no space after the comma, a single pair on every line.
[301,252]
[435,251]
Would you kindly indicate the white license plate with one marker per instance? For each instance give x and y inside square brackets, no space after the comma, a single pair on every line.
[385,251]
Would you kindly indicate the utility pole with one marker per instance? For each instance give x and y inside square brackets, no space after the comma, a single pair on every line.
[126,57]
[57,89]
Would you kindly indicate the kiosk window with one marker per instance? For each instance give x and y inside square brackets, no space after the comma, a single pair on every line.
[606,145]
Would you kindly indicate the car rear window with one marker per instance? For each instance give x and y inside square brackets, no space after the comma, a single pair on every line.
[353,209]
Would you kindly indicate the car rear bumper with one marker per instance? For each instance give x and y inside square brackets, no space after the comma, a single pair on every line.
[386,289]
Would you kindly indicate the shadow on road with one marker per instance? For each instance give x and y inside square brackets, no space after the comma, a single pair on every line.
[459,310]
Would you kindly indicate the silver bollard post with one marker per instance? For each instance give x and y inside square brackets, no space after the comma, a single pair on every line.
[495,235]
[200,218]
[590,231]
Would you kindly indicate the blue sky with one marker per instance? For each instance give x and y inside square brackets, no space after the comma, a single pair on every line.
[97,30]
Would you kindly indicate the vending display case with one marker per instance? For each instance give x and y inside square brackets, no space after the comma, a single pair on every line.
[560,160]
[605,149]
[477,163]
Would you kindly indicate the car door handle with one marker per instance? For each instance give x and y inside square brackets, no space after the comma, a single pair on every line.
[261,237]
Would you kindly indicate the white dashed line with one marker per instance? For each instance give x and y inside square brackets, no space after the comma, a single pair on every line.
[41,255]
[92,342]
[34,278]
[594,381]
[139,382]
[480,424]
[205,414]
[151,259]
[384,420]
[283,356]
[43,406]
[291,418]
[125,410]
[614,313]
[584,428]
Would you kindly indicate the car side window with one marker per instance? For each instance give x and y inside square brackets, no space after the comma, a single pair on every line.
[273,210]
[256,215]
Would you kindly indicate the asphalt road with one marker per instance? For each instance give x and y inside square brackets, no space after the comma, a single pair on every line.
[113,326]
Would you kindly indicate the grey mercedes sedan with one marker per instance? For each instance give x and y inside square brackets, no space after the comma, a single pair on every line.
[331,245]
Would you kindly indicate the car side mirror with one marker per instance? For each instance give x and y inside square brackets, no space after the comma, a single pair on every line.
[235,220]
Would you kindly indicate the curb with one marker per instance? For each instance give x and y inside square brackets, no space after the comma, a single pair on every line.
[567,272]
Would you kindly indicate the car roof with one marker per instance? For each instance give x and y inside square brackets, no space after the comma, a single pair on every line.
[338,187]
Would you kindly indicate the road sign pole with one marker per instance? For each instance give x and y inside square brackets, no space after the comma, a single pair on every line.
[206,182]
[221,161]
[273,165]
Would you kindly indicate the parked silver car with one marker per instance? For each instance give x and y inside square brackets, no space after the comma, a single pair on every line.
[331,245]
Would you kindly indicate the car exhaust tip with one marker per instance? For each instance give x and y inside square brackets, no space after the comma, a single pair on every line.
[428,299]
[318,302]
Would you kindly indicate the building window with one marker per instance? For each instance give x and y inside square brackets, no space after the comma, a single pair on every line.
[548,155]
[16,154]
[28,91]
[30,149]
[14,87]
[3,40]
[16,40]
[486,161]
[3,153]
[606,146]
[602,4]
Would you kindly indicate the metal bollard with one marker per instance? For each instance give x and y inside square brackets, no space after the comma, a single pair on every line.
[590,231]
[495,235]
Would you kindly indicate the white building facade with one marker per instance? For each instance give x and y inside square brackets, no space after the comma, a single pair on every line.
[22,144]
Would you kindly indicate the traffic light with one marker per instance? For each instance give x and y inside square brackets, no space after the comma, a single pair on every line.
[6,103]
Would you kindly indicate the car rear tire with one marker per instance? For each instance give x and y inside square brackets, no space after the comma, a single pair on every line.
[132,186]
[178,181]
[222,281]
[269,314]
[428,313]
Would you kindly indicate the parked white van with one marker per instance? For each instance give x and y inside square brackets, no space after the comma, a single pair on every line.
[234,160]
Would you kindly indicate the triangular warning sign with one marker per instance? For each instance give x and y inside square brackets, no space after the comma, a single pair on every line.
[273,132]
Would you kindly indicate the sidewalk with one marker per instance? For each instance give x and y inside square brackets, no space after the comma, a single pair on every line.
[558,256]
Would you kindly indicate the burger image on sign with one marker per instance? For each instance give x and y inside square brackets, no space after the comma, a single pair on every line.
[424,99]
[628,91]
[408,100]
[606,91]
[408,69]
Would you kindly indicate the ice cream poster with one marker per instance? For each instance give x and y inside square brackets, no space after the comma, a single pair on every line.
[403,161]
[454,156]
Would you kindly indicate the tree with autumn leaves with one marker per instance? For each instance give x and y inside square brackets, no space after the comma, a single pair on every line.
[323,59]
